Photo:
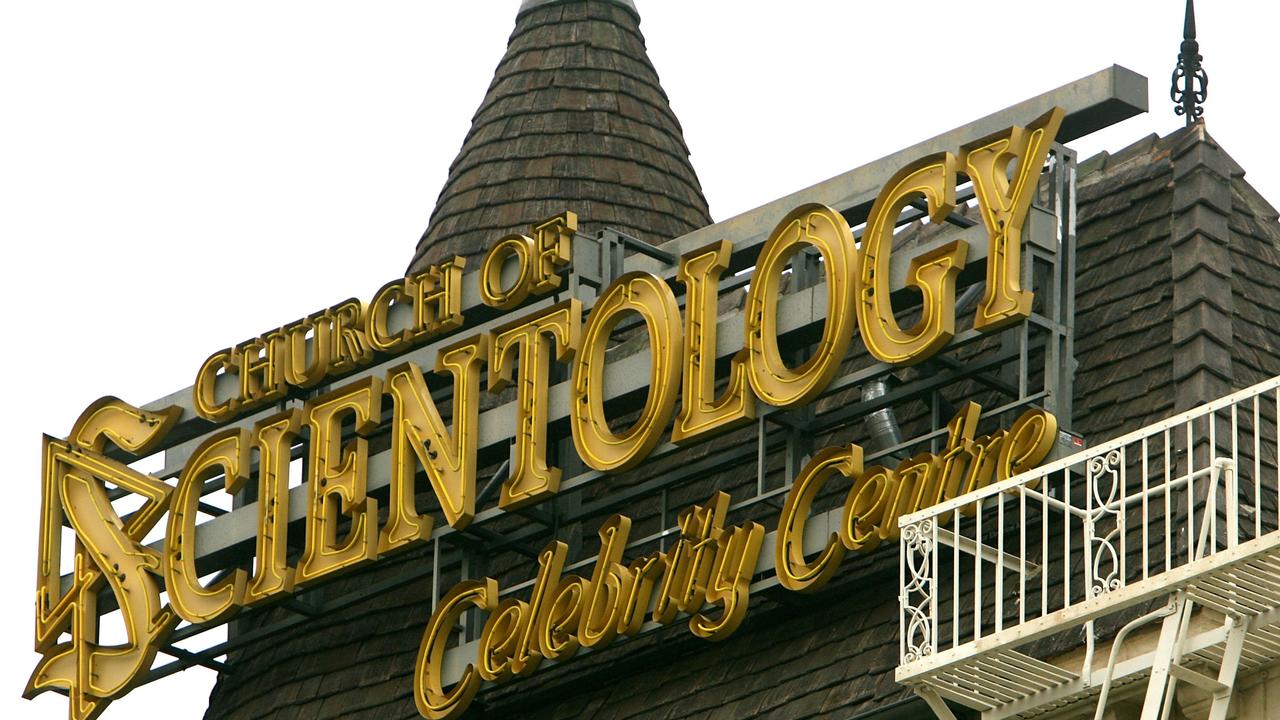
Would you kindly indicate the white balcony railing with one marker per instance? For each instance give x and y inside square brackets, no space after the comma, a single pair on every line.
[1001,580]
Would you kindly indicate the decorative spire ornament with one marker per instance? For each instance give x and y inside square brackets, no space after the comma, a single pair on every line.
[1190,84]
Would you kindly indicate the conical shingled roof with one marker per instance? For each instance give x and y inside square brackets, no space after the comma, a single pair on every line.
[575,119]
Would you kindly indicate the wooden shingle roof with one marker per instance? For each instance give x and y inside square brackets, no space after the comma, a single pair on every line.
[574,119]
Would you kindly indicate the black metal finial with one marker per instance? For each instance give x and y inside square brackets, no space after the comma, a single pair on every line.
[1190,84]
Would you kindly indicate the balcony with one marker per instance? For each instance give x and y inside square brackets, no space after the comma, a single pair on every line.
[1144,564]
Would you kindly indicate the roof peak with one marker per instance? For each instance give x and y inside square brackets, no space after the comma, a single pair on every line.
[575,119]
[527,5]
[1189,85]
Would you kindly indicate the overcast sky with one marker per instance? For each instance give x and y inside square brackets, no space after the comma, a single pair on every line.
[175,178]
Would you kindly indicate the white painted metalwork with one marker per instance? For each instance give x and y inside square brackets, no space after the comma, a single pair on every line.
[1007,590]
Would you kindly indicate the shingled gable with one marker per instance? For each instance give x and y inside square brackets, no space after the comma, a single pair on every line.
[575,119]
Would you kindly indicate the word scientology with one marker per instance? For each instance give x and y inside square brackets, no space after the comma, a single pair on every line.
[705,575]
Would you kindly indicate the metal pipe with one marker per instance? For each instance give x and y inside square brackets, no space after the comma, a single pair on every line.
[1091,643]
[1132,625]
[492,484]
[908,707]
[881,424]
[969,298]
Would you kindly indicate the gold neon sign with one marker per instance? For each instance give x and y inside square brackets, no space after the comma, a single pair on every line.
[703,578]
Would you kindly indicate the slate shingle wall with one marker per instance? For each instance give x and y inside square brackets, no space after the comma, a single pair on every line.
[1123,291]
[1255,250]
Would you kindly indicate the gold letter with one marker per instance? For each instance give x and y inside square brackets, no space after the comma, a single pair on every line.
[691,562]
[609,586]
[274,437]
[957,453]
[437,298]
[1004,207]
[419,431]
[933,273]
[350,346]
[774,382]
[555,332]
[260,377]
[1027,443]
[644,573]
[700,411]
[337,478]
[303,369]
[558,622]
[793,572]
[225,453]
[737,552]
[864,507]
[552,250]
[492,291]
[428,687]
[205,395]
[984,457]
[109,549]
[499,639]
[917,481]
[377,323]
[528,652]
[599,446]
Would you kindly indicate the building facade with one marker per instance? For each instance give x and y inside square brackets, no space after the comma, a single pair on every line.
[778,579]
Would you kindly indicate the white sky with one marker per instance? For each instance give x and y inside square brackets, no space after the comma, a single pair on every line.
[175,178]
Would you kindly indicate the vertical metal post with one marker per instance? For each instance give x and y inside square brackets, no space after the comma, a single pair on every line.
[760,456]
[435,573]
[1231,653]
[1160,686]
[464,566]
